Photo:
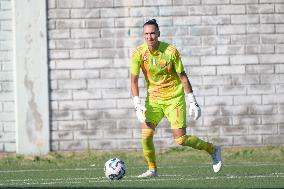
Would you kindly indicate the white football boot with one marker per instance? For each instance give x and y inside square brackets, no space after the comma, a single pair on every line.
[216,159]
[148,174]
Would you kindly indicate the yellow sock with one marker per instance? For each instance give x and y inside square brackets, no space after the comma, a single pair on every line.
[195,142]
[148,148]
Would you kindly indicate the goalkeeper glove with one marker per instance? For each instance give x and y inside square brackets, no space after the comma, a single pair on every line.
[140,109]
[193,106]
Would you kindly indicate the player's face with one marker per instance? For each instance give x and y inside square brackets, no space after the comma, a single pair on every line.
[151,35]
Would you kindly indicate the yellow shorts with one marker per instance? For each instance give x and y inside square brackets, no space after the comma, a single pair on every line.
[174,110]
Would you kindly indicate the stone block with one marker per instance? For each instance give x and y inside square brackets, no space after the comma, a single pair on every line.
[247,140]
[247,120]
[273,99]
[129,144]
[59,54]
[273,119]
[61,95]
[88,134]
[209,2]
[102,104]
[157,3]
[144,11]
[231,9]
[204,70]
[118,133]
[71,125]
[259,69]
[58,14]
[244,59]
[205,131]
[187,20]
[62,135]
[85,13]
[217,80]
[260,89]
[127,3]
[231,29]
[216,20]
[230,49]
[101,23]
[261,28]
[273,58]
[271,18]
[72,105]
[232,90]
[101,83]
[263,130]
[72,84]
[218,100]
[221,140]
[227,70]
[70,4]
[84,74]
[61,115]
[185,2]
[68,24]
[202,10]
[203,30]
[244,19]
[69,44]
[260,8]
[262,109]
[103,124]
[73,145]
[87,94]
[273,139]
[114,12]
[247,100]
[234,130]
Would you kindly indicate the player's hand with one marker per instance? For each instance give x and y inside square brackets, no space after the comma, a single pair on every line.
[193,106]
[140,109]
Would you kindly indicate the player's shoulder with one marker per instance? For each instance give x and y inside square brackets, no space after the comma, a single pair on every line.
[138,50]
[169,48]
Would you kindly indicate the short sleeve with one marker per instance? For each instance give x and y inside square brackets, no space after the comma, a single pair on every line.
[177,62]
[135,63]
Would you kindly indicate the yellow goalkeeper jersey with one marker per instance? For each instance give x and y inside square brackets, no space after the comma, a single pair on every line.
[160,69]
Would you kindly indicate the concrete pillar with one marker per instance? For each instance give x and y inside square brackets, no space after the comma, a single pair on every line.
[31,77]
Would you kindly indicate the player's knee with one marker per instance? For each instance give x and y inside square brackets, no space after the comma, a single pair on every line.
[181,140]
[147,133]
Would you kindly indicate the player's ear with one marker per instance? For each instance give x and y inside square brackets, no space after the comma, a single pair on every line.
[159,33]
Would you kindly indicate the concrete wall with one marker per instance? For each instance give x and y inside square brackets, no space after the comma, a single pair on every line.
[7,115]
[232,49]
[233,52]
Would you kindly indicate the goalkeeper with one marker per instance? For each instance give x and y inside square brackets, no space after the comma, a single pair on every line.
[167,86]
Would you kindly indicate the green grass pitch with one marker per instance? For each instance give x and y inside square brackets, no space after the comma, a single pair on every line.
[261,167]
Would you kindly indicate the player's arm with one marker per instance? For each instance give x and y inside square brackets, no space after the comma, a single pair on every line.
[185,82]
[139,108]
[134,85]
[193,106]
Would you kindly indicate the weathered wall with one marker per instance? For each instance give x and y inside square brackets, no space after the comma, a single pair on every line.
[7,116]
[232,50]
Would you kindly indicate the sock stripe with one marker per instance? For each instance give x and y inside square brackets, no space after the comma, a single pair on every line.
[147,133]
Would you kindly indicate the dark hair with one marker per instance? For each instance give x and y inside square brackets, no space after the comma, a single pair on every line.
[152,22]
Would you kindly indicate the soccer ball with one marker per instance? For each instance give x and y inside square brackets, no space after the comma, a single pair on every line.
[115,169]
